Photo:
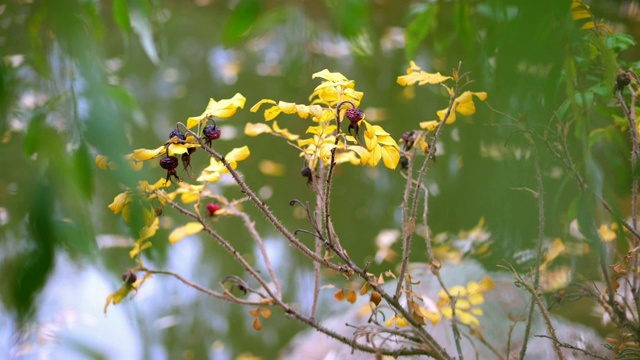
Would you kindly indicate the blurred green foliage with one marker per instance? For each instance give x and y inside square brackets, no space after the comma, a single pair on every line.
[63,101]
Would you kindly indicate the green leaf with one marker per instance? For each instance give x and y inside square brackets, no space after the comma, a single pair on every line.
[586,223]
[121,16]
[596,135]
[419,28]
[34,133]
[242,18]
[83,166]
[350,16]
[462,22]
[139,15]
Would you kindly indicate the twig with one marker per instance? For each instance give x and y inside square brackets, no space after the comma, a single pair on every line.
[574,348]
[265,209]
[406,240]
[250,225]
[536,278]
[452,300]
[543,311]
[222,296]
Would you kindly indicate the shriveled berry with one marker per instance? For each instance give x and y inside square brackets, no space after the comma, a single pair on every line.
[129,277]
[409,139]
[404,161]
[306,172]
[178,133]
[212,132]
[354,115]
[622,80]
[169,162]
[212,208]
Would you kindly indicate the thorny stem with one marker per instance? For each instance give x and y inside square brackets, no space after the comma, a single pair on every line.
[536,279]
[225,244]
[630,114]
[452,300]
[265,209]
[319,244]
[330,231]
[406,239]
[439,352]
[222,296]
[434,350]
[543,311]
[250,225]
[574,348]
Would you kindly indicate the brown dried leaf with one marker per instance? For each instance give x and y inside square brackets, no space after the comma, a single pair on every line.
[265,313]
[364,289]
[254,312]
[256,324]
[390,274]
[339,295]
[417,316]
[352,297]
[375,297]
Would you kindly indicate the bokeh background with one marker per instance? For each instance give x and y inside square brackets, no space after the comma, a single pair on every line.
[81,78]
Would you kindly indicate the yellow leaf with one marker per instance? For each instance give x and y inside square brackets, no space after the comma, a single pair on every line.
[422,78]
[580,14]
[117,296]
[177,149]
[189,197]
[255,107]
[339,295]
[225,108]
[148,231]
[139,247]
[237,154]
[486,284]
[102,161]
[209,177]
[271,168]
[429,125]
[330,76]
[271,113]
[251,129]
[390,157]
[466,318]
[588,25]
[119,202]
[146,154]
[606,232]
[442,113]
[183,231]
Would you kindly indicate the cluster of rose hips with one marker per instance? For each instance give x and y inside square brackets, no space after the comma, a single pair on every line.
[170,163]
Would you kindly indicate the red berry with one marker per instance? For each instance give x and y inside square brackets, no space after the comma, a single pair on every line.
[212,208]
